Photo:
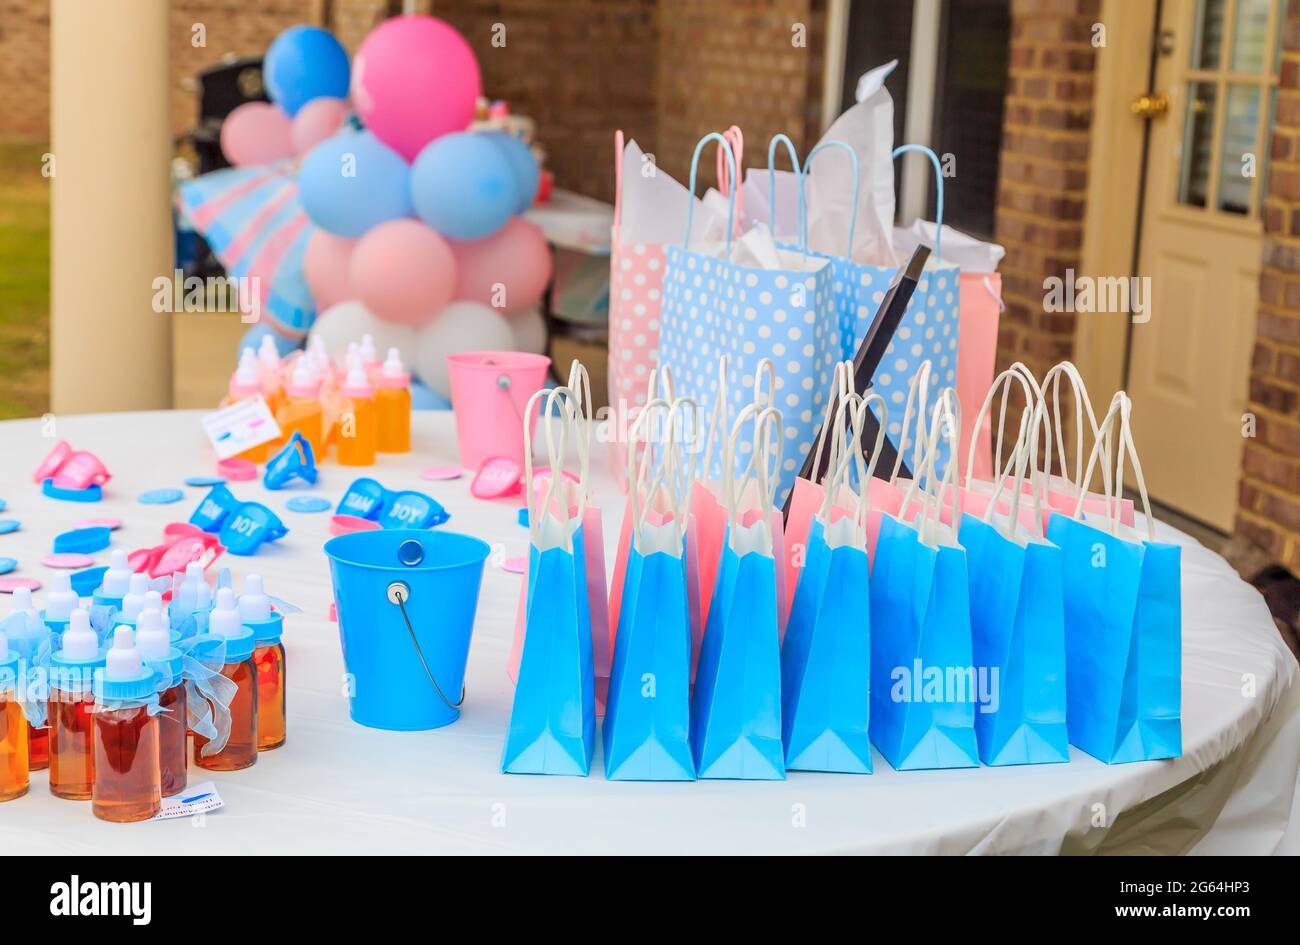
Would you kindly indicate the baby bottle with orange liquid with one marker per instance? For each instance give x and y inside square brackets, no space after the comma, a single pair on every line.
[14,758]
[369,356]
[393,405]
[26,636]
[267,626]
[128,781]
[358,427]
[156,649]
[240,750]
[244,383]
[72,710]
[302,410]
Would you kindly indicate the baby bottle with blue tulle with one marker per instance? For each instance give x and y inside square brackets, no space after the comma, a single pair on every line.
[72,709]
[132,600]
[31,642]
[60,602]
[128,772]
[116,582]
[159,654]
[15,759]
[240,750]
[267,626]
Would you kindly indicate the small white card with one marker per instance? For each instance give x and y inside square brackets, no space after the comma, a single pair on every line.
[241,426]
[196,799]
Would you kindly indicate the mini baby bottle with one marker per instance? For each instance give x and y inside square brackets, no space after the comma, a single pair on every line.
[369,355]
[127,769]
[268,362]
[14,757]
[60,602]
[72,710]
[244,383]
[393,405]
[241,748]
[185,594]
[116,582]
[133,600]
[358,426]
[26,635]
[302,410]
[154,644]
[267,626]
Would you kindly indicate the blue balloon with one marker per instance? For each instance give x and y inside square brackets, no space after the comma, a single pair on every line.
[463,186]
[305,62]
[352,182]
[527,173]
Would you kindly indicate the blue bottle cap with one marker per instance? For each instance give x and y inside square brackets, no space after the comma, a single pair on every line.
[214,508]
[411,510]
[55,626]
[92,493]
[307,503]
[364,499]
[83,540]
[173,666]
[294,462]
[86,582]
[160,496]
[74,675]
[138,687]
[248,526]
[267,632]
[7,565]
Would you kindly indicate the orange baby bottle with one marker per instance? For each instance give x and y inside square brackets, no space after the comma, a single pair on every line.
[72,710]
[358,426]
[302,410]
[128,780]
[244,383]
[154,643]
[393,405]
[240,750]
[14,758]
[268,627]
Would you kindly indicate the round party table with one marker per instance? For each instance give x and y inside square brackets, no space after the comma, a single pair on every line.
[336,787]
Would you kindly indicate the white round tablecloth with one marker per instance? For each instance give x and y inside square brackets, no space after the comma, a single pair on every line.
[337,787]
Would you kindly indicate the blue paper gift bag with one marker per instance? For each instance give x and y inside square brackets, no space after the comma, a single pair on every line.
[647,718]
[1123,625]
[553,719]
[924,684]
[826,654]
[736,705]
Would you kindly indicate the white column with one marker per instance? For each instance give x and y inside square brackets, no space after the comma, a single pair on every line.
[918,120]
[111,230]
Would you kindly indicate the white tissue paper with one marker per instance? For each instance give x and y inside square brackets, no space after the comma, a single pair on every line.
[868,128]
[654,205]
[967,252]
[755,193]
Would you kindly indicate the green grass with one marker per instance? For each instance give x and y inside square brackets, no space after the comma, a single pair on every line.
[24,281]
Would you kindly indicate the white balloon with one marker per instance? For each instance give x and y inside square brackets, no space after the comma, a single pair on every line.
[529,327]
[461,326]
[345,322]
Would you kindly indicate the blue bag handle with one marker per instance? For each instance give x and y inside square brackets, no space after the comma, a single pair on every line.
[801,223]
[731,199]
[938,189]
[857,185]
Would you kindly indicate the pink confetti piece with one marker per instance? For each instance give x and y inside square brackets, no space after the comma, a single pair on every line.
[10,584]
[67,560]
[442,473]
[515,565]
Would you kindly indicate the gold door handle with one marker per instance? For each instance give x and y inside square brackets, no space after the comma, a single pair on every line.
[1150,106]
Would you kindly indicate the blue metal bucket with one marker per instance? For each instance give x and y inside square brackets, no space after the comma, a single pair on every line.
[406,600]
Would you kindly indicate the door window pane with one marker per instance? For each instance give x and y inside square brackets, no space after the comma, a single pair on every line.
[1240,123]
[1198,144]
[1250,36]
[1208,38]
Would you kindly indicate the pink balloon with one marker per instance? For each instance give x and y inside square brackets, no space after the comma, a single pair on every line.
[316,121]
[415,78]
[256,133]
[507,270]
[403,271]
[325,264]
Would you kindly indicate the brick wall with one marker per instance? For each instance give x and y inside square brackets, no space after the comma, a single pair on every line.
[25,69]
[1043,176]
[1269,510]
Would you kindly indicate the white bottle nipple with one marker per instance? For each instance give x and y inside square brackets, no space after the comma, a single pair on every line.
[224,619]
[62,599]
[79,641]
[117,579]
[254,606]
[22,603]
[150,638]
[123,660]
[133,599]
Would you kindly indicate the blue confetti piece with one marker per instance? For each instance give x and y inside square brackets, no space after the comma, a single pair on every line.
[3,505]
[83,540]
[7,565]
[205,482]
[8,525]
[161,496]
[307,503]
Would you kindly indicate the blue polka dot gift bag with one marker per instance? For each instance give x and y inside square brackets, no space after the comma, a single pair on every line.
[782,310]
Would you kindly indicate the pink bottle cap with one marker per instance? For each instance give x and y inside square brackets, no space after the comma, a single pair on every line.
[236,469]
[51,463]
[81,470]
[346,524]
[497,477]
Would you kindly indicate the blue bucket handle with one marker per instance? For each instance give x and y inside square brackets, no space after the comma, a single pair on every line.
[725,145]
[398,593]
[938,190]
[801,221]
